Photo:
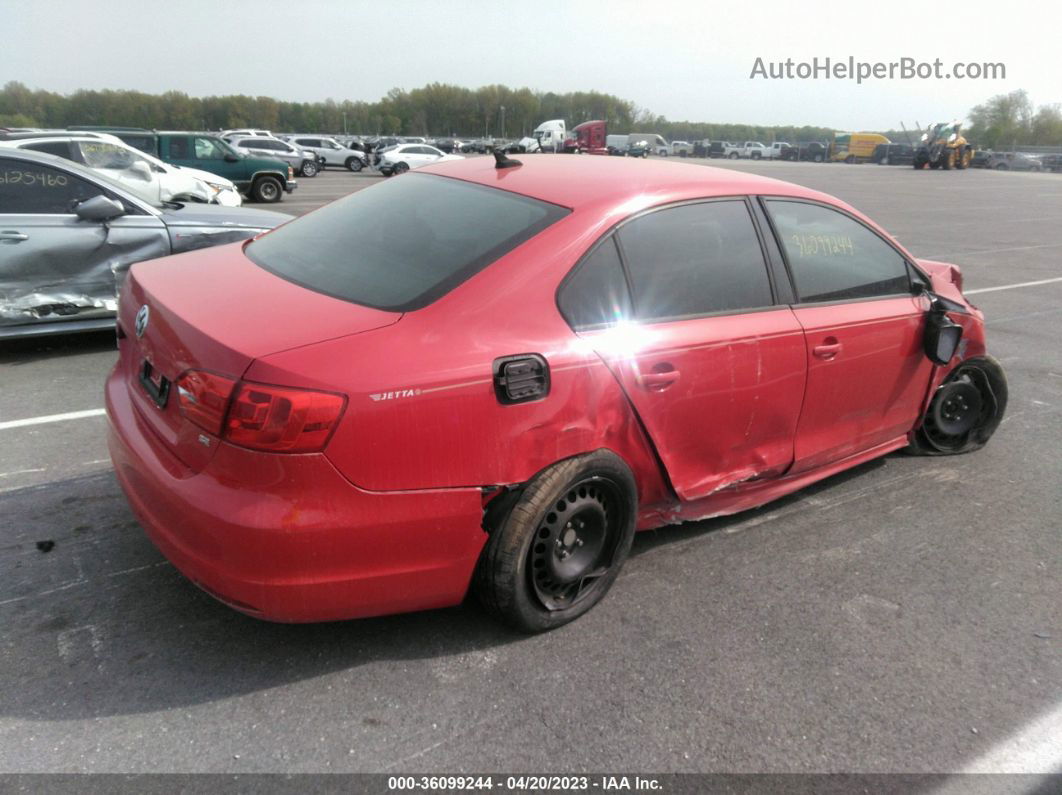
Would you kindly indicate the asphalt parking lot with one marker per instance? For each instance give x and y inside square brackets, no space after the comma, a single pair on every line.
[903,616]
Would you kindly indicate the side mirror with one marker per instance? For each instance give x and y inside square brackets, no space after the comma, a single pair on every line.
[942,336]
[141,170]
[98,208]
[231,158]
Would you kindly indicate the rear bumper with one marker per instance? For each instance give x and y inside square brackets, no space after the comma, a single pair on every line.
[286,537]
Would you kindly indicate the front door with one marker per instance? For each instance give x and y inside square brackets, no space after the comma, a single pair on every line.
[867,373]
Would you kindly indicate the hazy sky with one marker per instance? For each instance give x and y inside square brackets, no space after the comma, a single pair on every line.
[685,60]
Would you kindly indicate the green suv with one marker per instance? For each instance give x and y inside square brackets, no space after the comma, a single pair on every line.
[261,179]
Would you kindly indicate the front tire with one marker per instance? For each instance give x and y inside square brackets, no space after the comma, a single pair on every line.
[400,168]
[309,168]
[556,548]
[267,190]
[965,411]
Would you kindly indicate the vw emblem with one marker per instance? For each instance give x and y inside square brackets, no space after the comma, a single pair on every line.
[142,318]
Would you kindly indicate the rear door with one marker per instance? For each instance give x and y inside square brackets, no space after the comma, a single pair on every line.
[867,373]
[713,366]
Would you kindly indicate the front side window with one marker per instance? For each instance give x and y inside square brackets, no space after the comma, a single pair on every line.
[32,188]
[100,154]
[695,259]
[208,149]
[833,257]
[403,243]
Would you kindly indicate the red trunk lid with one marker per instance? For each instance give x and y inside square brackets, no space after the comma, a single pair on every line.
[216,310]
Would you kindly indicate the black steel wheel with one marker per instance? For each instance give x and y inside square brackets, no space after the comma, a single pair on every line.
[573,546]
[965,411]
[556,547]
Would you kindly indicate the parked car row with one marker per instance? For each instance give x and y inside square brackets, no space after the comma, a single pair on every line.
[261,178]
[145,175]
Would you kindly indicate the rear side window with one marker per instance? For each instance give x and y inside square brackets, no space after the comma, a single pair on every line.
[59,148]
[833,257]
[403,243]
[695,259]
[596,293]
[178,148]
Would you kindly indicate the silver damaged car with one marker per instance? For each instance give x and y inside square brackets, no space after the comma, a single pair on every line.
[69,234]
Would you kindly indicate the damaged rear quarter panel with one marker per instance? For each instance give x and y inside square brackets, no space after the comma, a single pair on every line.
[422,411]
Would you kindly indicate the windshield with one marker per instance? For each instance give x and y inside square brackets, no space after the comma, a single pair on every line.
[404,243]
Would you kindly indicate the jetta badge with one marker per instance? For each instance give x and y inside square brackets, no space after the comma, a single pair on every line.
[142,318]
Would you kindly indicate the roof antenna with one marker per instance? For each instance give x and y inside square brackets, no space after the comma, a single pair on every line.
[501,160]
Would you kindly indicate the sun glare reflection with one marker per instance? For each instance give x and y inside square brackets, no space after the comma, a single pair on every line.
[624,340]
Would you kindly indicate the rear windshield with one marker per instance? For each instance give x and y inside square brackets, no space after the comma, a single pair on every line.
[403,243]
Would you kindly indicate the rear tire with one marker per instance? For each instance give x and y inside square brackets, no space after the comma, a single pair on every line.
[733,155]
[267,190]
[965,411]
[556,548]
[354,164]
[309,168]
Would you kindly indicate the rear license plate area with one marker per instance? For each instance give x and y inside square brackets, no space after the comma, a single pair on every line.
[155,384]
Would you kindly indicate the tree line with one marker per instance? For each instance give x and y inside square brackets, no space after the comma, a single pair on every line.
[442,109]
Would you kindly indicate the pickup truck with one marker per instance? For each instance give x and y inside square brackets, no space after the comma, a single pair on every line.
[261,179]
[777,149]
[752,150]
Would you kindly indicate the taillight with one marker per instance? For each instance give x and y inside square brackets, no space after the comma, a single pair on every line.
[282,419]
[203,398]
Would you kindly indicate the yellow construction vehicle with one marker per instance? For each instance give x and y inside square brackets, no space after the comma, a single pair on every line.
[943,146]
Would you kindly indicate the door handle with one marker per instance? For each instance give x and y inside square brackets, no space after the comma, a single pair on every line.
[827,350]
[10,236]
[658,380]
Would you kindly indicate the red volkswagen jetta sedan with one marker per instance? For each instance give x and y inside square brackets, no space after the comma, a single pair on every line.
[491,374]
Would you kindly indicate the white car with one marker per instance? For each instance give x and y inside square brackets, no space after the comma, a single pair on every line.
[146,176]
[227,134]
[330,151]
[402,158]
